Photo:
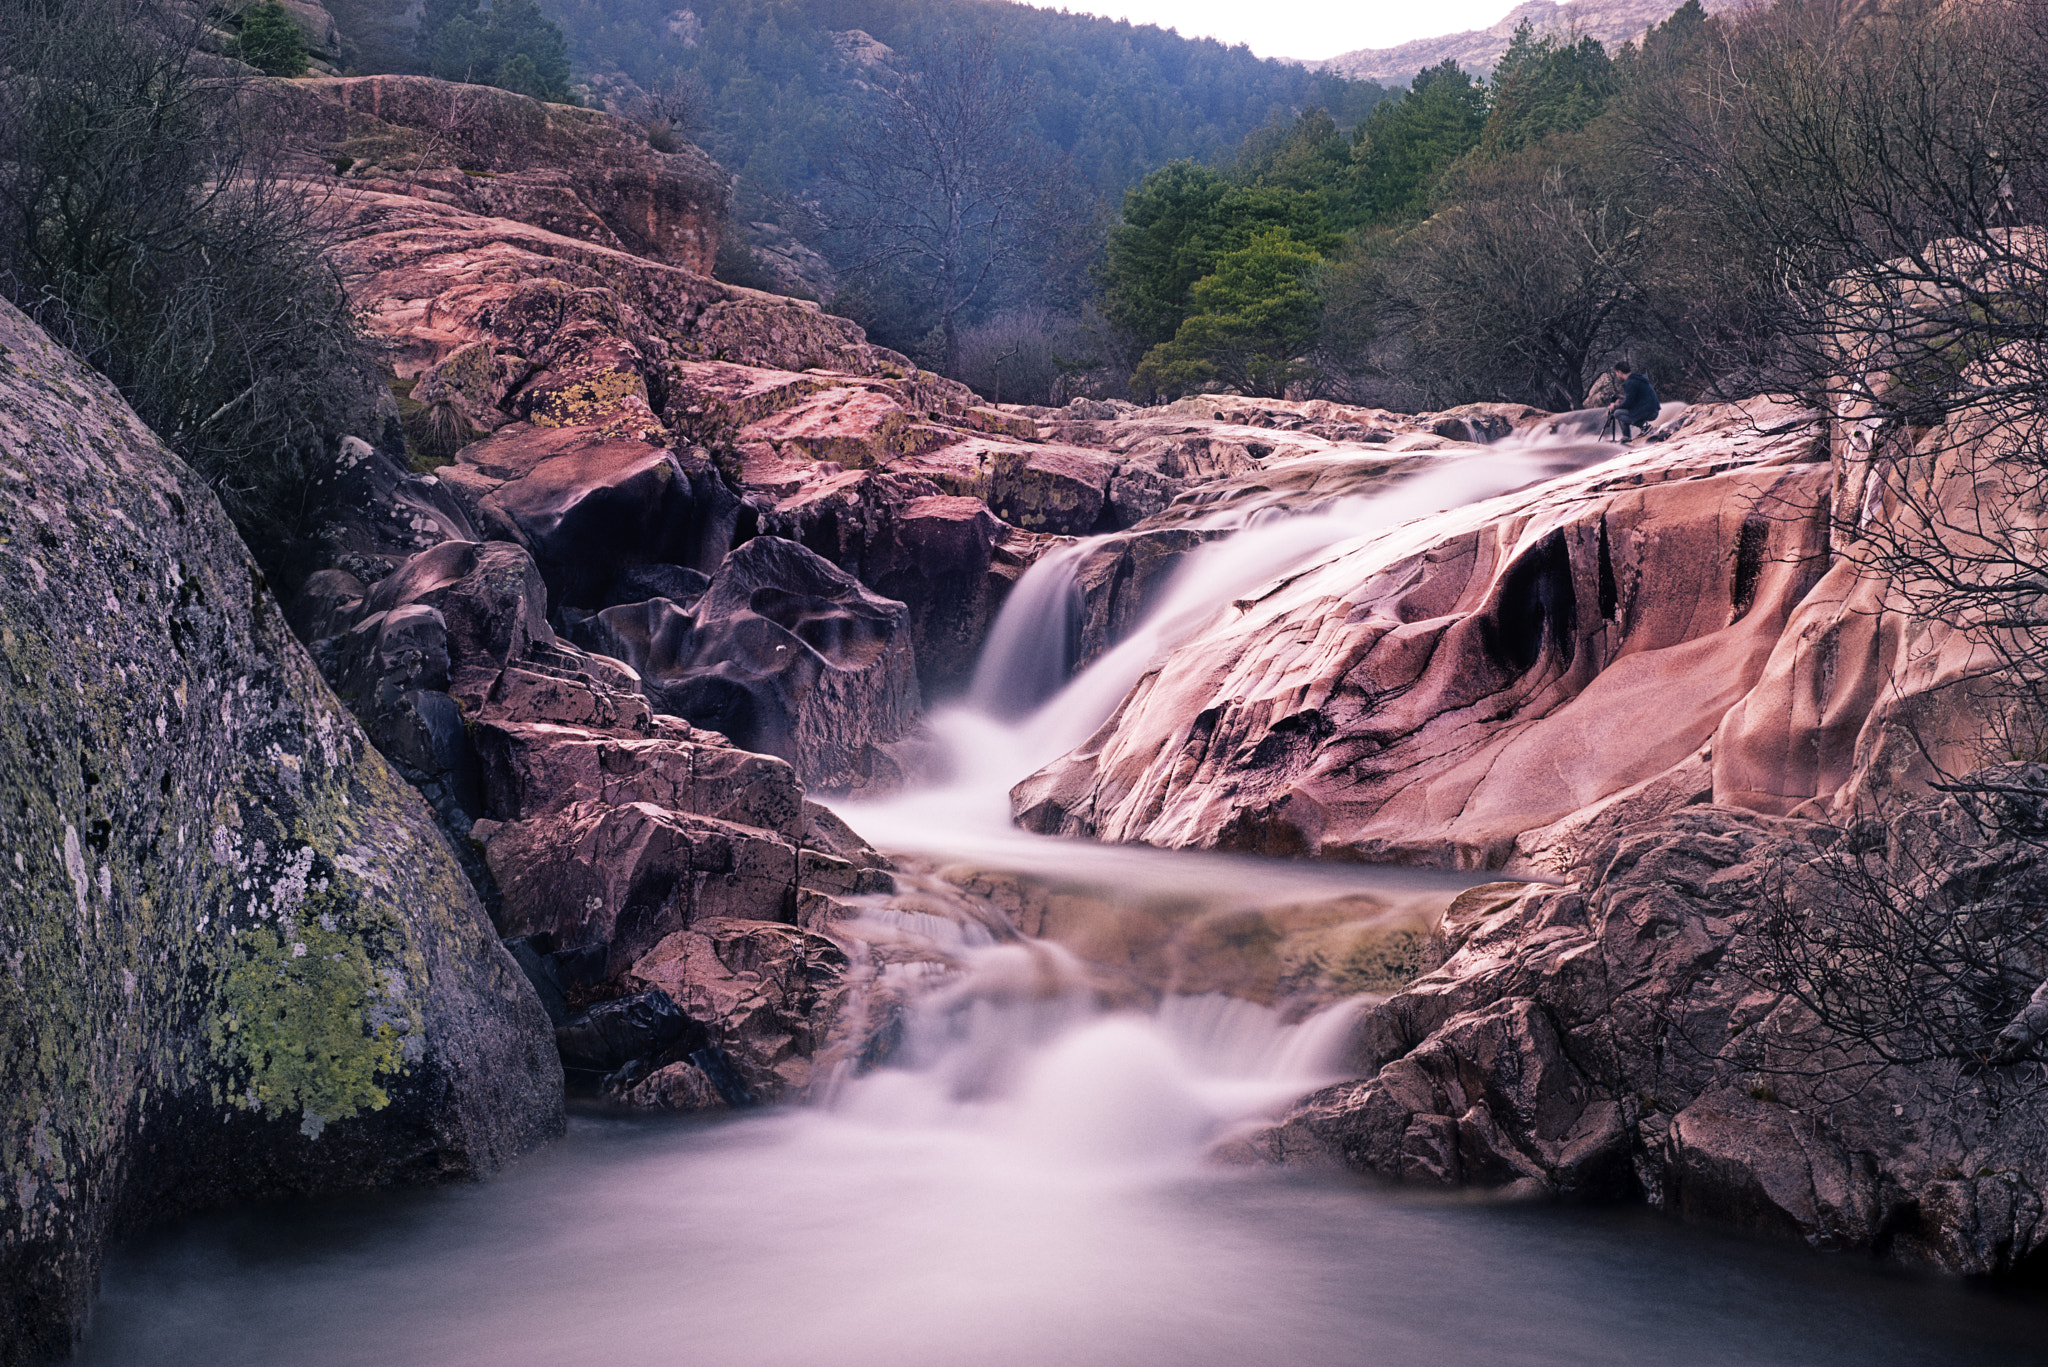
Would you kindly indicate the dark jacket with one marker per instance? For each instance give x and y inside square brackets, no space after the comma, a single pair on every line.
[1639,403]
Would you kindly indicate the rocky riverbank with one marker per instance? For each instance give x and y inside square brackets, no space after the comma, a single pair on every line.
[241,958]
[642,563]
[733,520]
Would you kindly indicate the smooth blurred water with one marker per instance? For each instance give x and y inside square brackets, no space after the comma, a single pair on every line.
[820,1240]
[1031,1186]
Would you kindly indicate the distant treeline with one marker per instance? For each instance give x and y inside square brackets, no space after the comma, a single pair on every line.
[1690,202]
[775,88]
[1466,240]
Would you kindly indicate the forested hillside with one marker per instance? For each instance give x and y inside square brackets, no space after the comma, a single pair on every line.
[786,93]
[774,80]
[1499,240]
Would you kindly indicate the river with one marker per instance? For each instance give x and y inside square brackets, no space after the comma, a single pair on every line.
[1035,1180]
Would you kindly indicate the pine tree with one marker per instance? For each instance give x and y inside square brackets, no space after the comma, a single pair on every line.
[271,41]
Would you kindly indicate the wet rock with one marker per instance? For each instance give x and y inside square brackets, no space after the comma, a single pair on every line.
[1137,492]
[903,538]
[1482,423]
[1628,1034]
[535,768]
[574,697]
[1044,488]
[624,876]
[1047,489]
[1120,581]
[213,875]
[786,654]
[325,606]
[591,509]
[638,583]
[374,513]
[442,625]
[768,994]
[676,1087]
[644,1029]
[1757,1165]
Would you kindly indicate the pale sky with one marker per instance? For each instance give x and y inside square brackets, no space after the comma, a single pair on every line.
[1303,28]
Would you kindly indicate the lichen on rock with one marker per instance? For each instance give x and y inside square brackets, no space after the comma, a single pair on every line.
[183,804]
[307,1022]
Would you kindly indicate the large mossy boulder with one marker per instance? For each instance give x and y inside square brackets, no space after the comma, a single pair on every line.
[236,956]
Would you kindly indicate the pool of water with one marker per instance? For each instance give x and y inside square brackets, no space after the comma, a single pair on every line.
[808,1239]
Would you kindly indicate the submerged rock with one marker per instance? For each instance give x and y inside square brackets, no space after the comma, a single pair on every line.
[240,959]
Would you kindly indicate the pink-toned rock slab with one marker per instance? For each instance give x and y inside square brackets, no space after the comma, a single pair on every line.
[1431,693]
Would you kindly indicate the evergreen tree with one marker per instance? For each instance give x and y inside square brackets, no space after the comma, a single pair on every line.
[1251,321]
[1542,87]
[270,40]
[1177,225]
[511,45]
[1407,143]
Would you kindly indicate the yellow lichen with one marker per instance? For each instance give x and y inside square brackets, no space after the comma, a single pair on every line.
[306,1022]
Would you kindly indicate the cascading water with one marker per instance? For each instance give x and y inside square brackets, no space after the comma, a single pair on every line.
[995,738]
[1033,646]
[1164,1069]
[1024,1183]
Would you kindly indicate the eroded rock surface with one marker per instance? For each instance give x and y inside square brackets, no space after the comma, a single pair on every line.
[783,652]
[578,172]
[1432,693]
[596,825]
[1634,1035]
[240,958]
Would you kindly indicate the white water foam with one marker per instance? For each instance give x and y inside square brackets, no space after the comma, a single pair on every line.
[995,737]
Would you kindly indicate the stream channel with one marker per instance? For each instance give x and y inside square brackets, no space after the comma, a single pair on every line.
[1031,1182]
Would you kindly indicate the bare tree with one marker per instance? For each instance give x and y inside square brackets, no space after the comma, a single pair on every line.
[1875,179]
[1525,288]
[941,183]
[673,110]
[140,225]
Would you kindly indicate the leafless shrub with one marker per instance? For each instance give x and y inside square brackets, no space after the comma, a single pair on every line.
[1020,356]
[1529,285]
[1915,946]
[673,110]
[139,225]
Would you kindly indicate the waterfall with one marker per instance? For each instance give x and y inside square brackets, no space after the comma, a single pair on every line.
[1010,1035]
[996,737]
[1008,1040]
[1036,640]
[1022,1180]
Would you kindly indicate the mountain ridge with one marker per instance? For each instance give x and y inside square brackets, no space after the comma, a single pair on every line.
[1477,50]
